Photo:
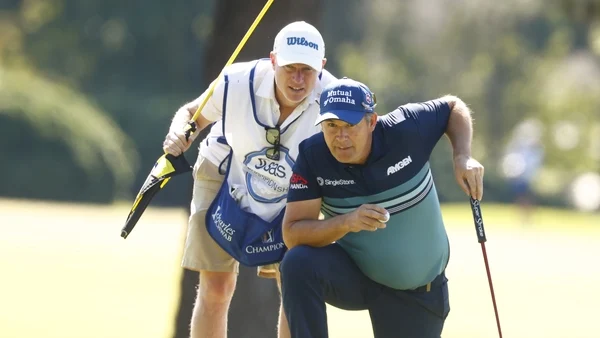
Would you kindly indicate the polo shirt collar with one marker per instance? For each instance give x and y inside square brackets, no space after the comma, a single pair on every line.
[378,145]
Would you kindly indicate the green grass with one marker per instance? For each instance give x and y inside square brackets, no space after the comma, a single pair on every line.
[509,217]
[65,272]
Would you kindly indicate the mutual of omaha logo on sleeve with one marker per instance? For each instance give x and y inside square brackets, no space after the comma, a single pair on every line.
[298,182]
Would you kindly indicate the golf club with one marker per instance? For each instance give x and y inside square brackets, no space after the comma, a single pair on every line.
[478,219]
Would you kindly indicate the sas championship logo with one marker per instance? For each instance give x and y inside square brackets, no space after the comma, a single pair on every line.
[267,180]
[268,240]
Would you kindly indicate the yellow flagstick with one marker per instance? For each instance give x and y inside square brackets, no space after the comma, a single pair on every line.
[164,166]
[233,56]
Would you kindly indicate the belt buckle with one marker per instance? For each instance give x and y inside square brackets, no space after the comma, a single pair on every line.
[423,288]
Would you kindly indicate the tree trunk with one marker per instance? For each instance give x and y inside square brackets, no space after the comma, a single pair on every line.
[255,304]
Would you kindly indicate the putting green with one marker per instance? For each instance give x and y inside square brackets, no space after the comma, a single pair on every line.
[67,273]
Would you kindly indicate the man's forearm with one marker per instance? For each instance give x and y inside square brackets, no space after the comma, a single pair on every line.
[180,119]
[460,127]
[316,233]
[184,115]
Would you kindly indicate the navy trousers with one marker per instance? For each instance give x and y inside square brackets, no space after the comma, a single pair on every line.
[312,277]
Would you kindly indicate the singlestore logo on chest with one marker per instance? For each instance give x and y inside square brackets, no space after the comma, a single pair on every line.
[267,180]
[326,181]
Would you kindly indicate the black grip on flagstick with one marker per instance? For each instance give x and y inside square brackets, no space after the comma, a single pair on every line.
[190,128]
[478,220]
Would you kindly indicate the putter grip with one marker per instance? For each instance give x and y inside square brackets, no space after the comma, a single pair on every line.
[478,220]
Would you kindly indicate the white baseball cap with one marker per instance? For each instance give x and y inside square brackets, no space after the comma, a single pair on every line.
[299,42]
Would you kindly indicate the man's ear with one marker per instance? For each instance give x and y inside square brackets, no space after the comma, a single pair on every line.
[373,121]
[273,58]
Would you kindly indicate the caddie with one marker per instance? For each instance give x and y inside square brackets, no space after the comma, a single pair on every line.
[263,109]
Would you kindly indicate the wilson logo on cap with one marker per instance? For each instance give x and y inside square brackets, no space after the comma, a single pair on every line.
[295,40]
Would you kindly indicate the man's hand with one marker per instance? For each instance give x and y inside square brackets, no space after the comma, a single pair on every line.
[469,175]
[175,143]
[368,217]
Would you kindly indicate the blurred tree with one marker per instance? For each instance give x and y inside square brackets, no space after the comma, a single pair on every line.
[501,58]
[255,305]
[64,126]
[136,62]
[586,11]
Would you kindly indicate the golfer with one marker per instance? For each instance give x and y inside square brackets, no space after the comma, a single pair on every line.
[264,109]
[359,170]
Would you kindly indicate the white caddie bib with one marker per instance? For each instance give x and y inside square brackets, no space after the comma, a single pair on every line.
[246,215]
[259,183]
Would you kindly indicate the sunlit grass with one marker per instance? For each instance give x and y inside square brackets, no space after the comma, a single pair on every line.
[66,272]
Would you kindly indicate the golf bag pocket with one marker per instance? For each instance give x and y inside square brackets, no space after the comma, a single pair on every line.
[246,237]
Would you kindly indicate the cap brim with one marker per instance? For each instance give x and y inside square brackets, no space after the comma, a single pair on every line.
[309,60]
[348,116]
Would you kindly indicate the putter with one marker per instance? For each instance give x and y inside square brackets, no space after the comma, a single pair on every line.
[478,219]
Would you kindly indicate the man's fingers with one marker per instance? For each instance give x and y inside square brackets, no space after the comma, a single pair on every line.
[376,215]
[179,140]
[370,217]
[472,183]
[175,143]
[479,180]
[374,211]
[463,185]
[173,151]
[371,225]
[170,147]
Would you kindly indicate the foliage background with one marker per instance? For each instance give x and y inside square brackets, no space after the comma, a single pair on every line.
[87,88]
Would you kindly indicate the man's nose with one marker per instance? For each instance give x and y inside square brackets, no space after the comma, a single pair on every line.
[342,133]
[298,77]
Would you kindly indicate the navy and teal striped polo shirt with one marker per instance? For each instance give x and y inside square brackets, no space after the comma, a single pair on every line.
[413,249]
